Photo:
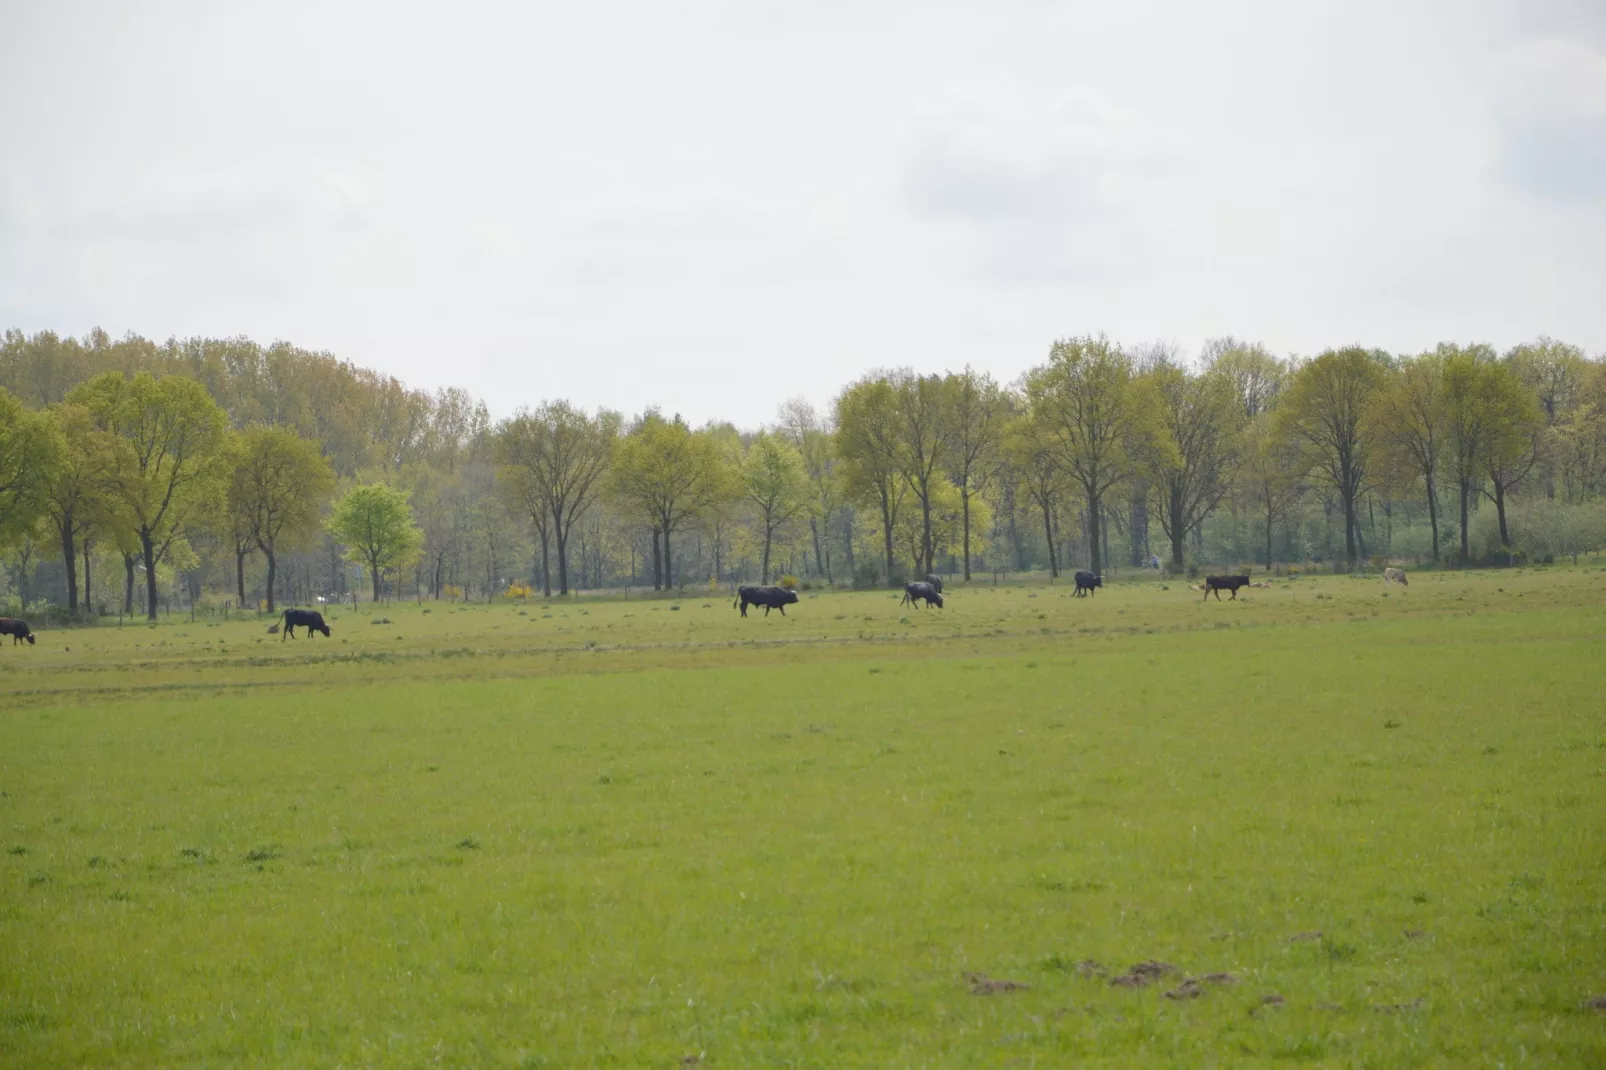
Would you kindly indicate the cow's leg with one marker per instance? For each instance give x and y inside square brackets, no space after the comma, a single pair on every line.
[766,611]
[782,609]
[1235,594]
[744,609]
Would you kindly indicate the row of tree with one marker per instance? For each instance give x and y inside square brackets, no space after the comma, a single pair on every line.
[190,461]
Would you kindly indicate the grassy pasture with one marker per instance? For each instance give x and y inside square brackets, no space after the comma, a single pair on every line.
[627,834]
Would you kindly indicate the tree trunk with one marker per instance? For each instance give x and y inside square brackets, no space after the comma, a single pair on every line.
[273,568]
[148,550]
[847,518]
[1433,517]
[764,568]
[373,566]
[239,574]
[886,530]
[1048,533]
[546,564]
[1178,536]
[1094,507]
[819,559]
[563,561]
[1139,529]
[669,562]
[1270,517]
[1466,490]
[1349,527]
[89,606]
[657,563]
[128,584]
[69,557]
[964,500]
[923,566]
[1500,512]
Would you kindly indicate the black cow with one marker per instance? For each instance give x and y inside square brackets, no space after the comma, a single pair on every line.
[1224,583]
[935,582]
[310,619]
[915,592]
[1087,583]
[17,629]
[768,597]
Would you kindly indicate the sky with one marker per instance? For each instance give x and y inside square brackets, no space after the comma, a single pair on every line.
[714,206]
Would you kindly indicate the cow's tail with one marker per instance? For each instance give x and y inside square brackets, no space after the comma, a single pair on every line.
[282,615]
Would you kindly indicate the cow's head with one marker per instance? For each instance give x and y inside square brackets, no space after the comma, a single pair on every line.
[325,630]
[935,597]
[788,595]
[30,639]
[1096,581]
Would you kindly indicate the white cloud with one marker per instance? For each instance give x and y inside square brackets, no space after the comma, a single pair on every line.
[714,205]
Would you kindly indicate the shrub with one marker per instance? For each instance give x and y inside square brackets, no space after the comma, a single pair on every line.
[866,577]
[789,582]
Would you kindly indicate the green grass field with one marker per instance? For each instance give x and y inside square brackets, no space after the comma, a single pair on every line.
[655,834]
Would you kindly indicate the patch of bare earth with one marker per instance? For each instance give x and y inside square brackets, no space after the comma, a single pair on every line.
[1143,974]
[982,985]
[1299,938]
[1267,1003]
[1194,987]
[1598,1003]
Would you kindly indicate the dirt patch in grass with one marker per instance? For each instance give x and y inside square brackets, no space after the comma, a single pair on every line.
[1145,973]
[982,985]
[1194,987]
[1299,938]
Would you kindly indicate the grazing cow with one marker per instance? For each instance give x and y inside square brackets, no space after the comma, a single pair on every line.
[17,629]
[768,597]
[916,592]
[1224,583]
[310,619]
[1086,583]
[1394,575]
[934,581]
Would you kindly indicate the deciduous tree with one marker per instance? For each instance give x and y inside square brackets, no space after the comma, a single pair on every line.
[1084,401]
[977,408]
[775,486]
[279,484]
[166,459]
[1323,414]
[375,525]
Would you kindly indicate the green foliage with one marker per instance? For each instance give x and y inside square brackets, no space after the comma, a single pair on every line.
[1088,411]
[1323,415]
[165,464]
[279,485]
[776,488]
[31,452]
[375,525]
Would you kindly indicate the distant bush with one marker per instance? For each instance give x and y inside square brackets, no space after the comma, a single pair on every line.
[789,582]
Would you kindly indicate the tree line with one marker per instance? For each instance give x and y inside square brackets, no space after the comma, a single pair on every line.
[208,469]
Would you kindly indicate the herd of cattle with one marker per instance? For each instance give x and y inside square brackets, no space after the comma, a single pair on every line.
[928,591]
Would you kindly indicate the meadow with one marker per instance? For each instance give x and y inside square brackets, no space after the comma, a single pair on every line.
[1330,823]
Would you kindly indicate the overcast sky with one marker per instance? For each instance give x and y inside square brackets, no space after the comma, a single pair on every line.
[710,206]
